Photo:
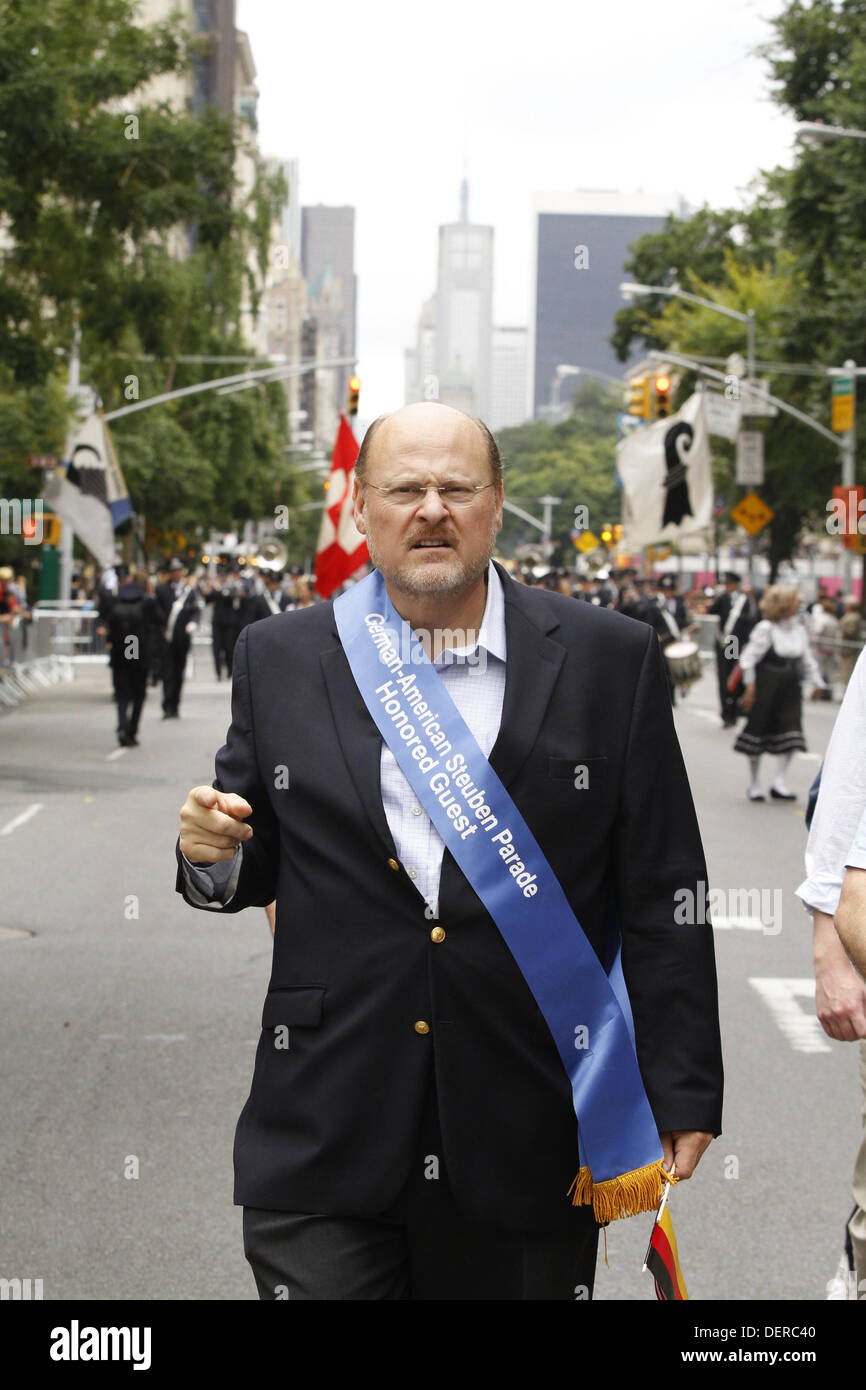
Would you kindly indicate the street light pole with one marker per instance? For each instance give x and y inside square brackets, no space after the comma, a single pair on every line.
[849,468]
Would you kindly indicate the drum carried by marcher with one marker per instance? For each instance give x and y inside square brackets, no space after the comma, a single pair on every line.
[684,663]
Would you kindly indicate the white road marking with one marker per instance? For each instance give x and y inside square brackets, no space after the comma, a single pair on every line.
[22,819]
[165,1037]
[802,1029]
[809,757]
[10,933]
[118,753]
[745,923]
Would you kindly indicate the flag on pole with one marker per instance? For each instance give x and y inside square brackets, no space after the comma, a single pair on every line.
[341,549]
[662,1258]
[666,471]
[90,496]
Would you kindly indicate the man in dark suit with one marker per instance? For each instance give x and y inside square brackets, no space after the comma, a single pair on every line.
[410,1131]
[178,606]
[737,613]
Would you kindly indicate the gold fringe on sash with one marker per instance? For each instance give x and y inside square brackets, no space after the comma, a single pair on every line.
[630,1193]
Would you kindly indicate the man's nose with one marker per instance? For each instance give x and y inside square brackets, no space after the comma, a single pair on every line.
[432,509]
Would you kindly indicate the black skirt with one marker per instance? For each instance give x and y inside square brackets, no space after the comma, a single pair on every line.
[775,722]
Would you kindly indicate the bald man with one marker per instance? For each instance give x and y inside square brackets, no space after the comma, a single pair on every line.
[410,1132]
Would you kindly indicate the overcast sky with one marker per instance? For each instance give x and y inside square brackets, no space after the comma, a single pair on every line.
[384,102]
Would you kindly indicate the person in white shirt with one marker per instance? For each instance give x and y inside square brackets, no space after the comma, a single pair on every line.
[771,662]
[840,996]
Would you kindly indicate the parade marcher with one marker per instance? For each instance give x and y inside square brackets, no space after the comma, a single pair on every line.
[771,664]
[416,1049]
[178,605]
[737,613]
[273,599]
[824,633]
[131,621]
[304,595]
[850,631]
[211,592]
[838,905]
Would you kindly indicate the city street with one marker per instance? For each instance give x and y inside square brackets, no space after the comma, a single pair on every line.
[129,1023]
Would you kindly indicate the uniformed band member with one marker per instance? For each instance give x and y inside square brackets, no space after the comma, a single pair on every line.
[411,1129]
[273,598]
[132,626]
[737,613]
[179,606]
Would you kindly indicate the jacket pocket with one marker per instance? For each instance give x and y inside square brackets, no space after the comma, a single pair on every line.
[296,1007]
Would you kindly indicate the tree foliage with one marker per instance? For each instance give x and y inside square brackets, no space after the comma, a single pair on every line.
[125,210]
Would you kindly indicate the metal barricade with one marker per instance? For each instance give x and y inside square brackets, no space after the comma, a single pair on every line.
[69,631]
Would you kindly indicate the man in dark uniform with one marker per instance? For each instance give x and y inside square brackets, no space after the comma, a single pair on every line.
[737,613]
[273,599]
[178,606]
[132,626]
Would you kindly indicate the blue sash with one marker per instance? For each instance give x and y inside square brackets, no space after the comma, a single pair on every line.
[586,1009]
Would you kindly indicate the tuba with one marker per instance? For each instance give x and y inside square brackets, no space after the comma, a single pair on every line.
[271,555]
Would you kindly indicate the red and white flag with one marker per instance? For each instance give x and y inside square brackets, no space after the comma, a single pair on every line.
[341,549]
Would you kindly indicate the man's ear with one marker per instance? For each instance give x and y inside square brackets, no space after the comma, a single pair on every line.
[358,507]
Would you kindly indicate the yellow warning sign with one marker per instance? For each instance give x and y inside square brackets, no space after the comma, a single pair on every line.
[588,541]
[752,513]
[842,414]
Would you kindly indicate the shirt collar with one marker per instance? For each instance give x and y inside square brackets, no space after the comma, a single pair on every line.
[491,634]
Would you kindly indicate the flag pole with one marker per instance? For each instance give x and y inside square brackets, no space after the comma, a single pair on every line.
[667,1188]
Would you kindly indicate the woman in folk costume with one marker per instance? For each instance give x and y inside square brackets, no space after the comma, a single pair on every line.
[773,661]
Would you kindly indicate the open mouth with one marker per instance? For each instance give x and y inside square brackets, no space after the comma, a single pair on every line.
[431,545]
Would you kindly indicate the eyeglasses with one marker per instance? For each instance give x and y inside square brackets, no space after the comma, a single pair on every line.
[413,494]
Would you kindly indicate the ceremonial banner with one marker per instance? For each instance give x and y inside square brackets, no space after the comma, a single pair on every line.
[585,1007]
[90,495]
[667,476]
[341,549]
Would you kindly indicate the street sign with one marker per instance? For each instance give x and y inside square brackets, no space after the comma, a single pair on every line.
[753,404]
[750,458]
[722,415]
[752,513]
[42,461]
[588,541]
[842,404]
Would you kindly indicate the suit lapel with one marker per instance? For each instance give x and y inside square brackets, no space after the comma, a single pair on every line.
[360,740]
[533,663]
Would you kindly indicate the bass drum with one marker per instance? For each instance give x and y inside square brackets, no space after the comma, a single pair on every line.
[684,662]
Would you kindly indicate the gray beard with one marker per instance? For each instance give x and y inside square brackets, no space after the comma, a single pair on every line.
[440,580]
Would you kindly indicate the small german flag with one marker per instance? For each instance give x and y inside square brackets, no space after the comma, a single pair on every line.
[662,1259]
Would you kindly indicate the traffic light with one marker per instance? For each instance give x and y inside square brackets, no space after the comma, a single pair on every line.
[607,533]
[354,392]
[52,529]
[661,396]
[617,533]
[638,398]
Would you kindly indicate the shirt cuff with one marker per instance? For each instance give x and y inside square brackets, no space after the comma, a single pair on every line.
[820,894]
[212,885]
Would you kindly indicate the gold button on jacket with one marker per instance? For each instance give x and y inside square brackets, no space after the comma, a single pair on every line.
[422,1027]
[437,934]
[392,864]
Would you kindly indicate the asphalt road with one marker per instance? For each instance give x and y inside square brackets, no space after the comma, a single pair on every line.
[128,1024]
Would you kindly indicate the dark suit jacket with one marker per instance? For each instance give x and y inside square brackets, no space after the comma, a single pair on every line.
[189,613]
[331,1121]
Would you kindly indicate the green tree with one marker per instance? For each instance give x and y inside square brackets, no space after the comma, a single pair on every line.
[125,210]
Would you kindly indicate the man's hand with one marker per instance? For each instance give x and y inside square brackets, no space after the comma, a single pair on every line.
[684,1147]
[747,699]
[851,920]
[212,825]
[840,998]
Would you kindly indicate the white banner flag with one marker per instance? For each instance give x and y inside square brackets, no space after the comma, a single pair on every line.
[667,476]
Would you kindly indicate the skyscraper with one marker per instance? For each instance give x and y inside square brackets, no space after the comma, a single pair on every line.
[582,242]
[464,312]
[328,265]
[508,378]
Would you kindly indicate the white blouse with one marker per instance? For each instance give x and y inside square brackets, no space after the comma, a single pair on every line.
[788,638]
